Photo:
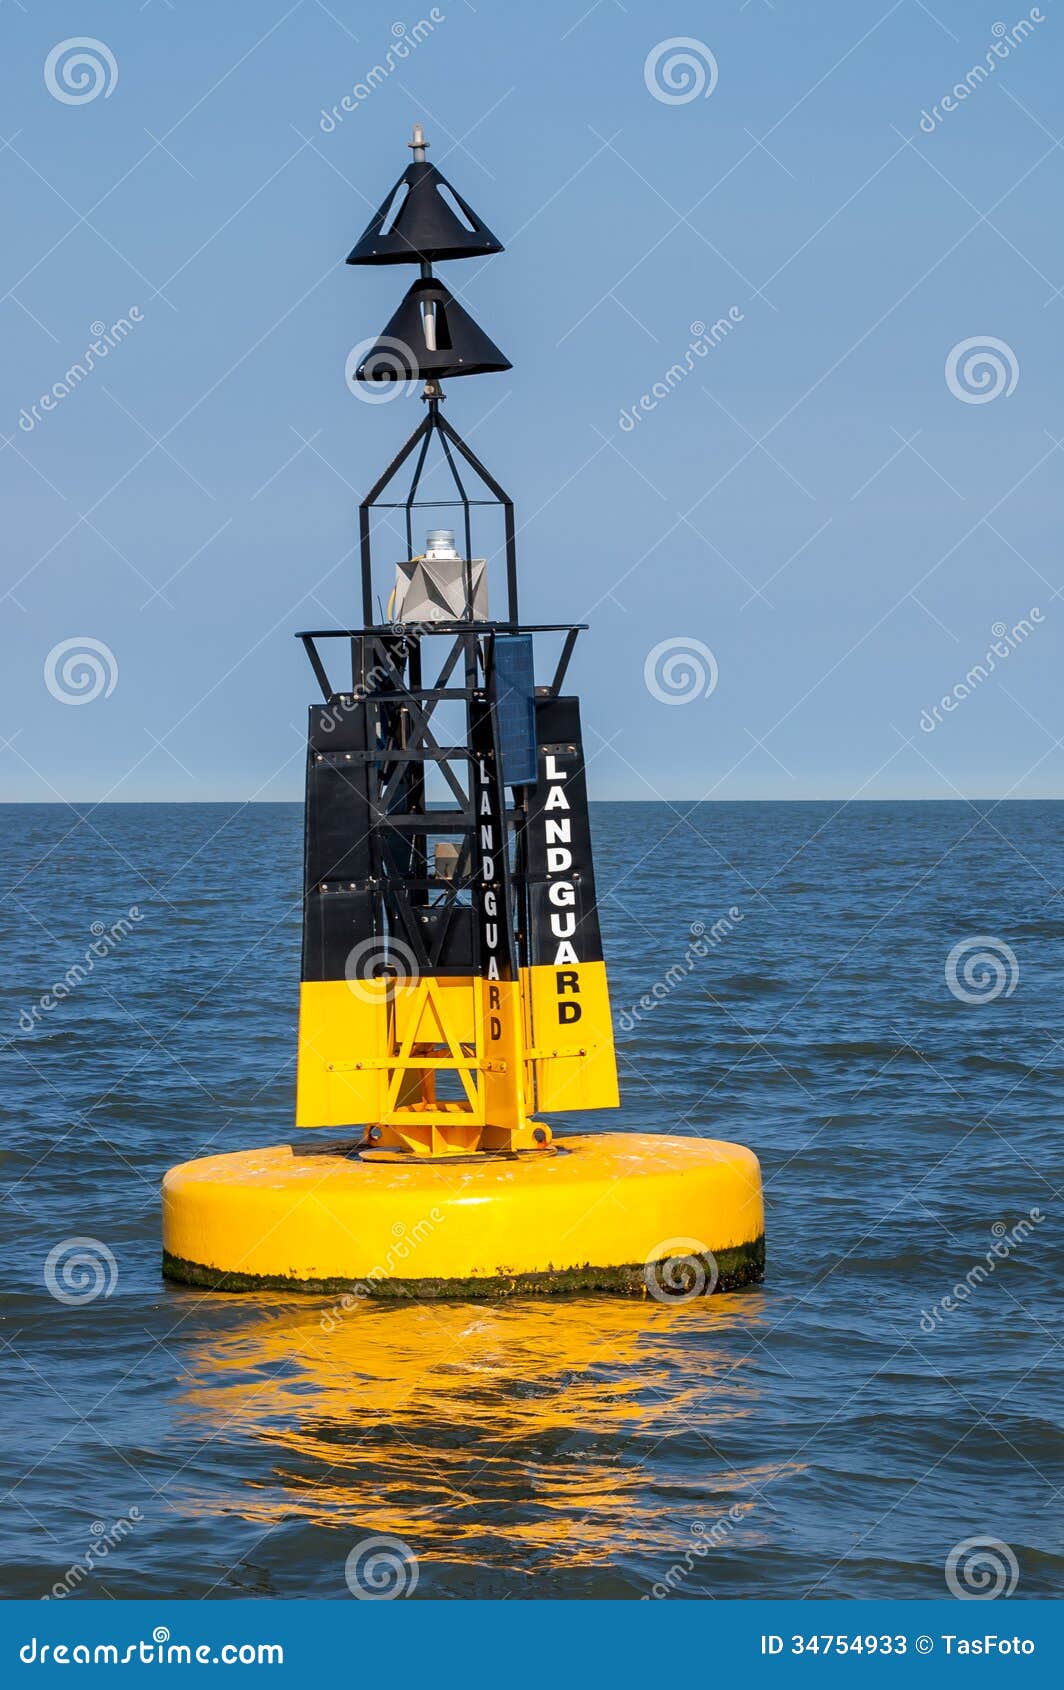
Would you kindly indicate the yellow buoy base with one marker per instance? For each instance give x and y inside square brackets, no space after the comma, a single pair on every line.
[633,1213]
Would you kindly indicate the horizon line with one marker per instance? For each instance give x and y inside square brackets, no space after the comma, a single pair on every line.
[298,803]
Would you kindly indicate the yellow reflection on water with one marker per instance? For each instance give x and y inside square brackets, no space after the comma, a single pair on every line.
[576,1430]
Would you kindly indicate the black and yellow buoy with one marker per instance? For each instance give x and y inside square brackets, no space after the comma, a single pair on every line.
[453,985]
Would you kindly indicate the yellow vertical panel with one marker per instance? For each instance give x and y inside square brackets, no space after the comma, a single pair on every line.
[339,1027]
[502,1047]
[572,1027]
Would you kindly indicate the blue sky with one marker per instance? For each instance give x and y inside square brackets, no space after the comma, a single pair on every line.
[826,502]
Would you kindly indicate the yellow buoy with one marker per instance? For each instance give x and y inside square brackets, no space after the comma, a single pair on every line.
[633,1213]
[453,985]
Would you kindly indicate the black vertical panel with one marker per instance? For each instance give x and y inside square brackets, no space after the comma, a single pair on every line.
[492,892]
[561,770]
[339,909]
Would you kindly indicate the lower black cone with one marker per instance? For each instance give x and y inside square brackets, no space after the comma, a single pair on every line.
[430,314]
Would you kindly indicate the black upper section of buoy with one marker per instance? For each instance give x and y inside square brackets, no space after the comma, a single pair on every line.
[425,226]
[430,336]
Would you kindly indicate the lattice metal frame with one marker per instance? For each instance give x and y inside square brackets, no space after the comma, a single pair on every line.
[434,425]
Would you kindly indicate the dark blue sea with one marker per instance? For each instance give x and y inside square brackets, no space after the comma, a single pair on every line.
[880,1015]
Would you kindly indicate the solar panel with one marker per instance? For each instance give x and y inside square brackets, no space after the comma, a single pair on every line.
[515,708]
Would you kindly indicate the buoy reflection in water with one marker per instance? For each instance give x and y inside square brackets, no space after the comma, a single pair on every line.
[495,1435]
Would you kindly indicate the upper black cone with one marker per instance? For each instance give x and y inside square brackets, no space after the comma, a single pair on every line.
[402,352]
[425,226]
